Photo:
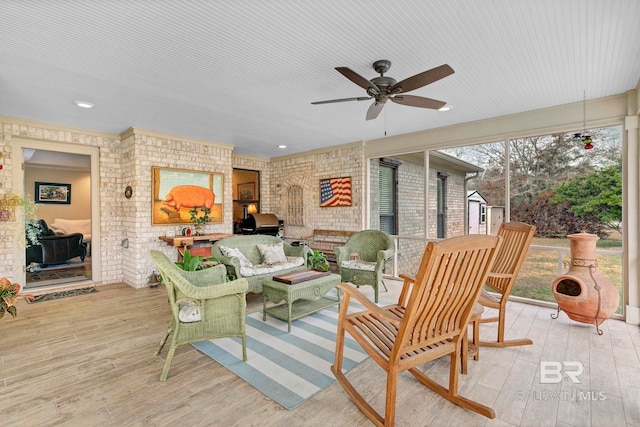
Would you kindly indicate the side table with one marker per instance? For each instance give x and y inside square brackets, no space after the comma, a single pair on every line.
[311,292]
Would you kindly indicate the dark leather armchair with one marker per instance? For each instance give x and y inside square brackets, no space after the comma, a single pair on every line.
[53,248]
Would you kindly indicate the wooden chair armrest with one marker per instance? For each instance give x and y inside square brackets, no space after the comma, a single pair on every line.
[407,283]
[351,290]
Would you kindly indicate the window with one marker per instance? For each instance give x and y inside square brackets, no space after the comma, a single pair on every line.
[554,183]
[483,213]
[388,197]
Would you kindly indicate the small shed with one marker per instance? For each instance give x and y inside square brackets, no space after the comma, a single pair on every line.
[477,213]
[495,218]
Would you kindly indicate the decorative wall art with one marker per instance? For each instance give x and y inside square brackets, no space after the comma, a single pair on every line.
[175,191]
[335,192]
[247,191]
[48,192]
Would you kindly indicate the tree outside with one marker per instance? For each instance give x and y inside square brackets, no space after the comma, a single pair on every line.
[561,188]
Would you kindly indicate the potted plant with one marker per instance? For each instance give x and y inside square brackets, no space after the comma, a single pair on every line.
[195,262]
[9,294]
[10,201]
[199,221]
[8,204]
[317,260]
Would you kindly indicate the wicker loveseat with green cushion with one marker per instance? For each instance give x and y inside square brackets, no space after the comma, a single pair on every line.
[254,266]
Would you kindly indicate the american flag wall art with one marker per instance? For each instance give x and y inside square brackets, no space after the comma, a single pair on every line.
[335,192]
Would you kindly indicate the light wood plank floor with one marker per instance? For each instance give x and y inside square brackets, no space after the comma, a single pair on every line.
[88,361]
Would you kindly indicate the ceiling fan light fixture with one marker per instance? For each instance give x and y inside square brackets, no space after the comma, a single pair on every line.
[282,146]
[445,108]
[384,88]
[84,104]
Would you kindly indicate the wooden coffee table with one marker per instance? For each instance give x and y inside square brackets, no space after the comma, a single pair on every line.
[307,287]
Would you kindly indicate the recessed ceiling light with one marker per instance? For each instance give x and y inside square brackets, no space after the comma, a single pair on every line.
[84,104]
[282,146]
[445,108]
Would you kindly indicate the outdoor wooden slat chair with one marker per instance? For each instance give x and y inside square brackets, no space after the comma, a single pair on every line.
[516,239]
[203,306]
[428,322]
[468,349]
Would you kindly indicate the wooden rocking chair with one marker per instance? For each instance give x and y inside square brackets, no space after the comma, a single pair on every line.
[428,322]
[516,239]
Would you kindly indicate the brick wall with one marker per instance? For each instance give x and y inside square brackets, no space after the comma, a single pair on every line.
[411,181]
[147,150]
[307,171]
[11,260]
[124,159]
[411,206]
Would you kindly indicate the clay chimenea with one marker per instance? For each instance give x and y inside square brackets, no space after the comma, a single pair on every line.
[582,292]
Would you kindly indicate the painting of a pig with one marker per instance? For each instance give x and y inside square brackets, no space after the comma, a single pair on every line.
[189,196]
[176,191]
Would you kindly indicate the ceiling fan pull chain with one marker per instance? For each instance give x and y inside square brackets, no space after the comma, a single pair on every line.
[385,122]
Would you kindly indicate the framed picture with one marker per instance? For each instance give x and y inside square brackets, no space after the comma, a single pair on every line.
[335,192]
[247,191]
[48,192]
[174,192]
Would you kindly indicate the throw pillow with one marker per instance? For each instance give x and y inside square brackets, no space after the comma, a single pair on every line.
[244,261]
[272,254]
[189,311]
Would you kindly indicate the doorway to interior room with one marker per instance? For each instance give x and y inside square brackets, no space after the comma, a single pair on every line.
[63,184]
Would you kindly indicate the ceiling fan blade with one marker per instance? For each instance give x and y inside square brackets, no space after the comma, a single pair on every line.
[422,79]
[418,101]
[359,80]
[361,98]
[374,110]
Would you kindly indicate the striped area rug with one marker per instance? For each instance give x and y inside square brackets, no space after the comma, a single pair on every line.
[289,368]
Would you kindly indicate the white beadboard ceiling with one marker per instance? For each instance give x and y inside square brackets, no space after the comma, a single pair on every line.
[245,72]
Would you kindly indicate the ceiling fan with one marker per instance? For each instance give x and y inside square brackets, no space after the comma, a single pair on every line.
[384,88]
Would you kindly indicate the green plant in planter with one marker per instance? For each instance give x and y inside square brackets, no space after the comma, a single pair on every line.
[196,262]
[317,260]
[199,221]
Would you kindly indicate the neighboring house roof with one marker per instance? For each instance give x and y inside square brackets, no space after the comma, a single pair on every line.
[438,158]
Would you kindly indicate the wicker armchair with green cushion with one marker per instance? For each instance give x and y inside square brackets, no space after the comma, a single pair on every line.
[373,249]
[203,306]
